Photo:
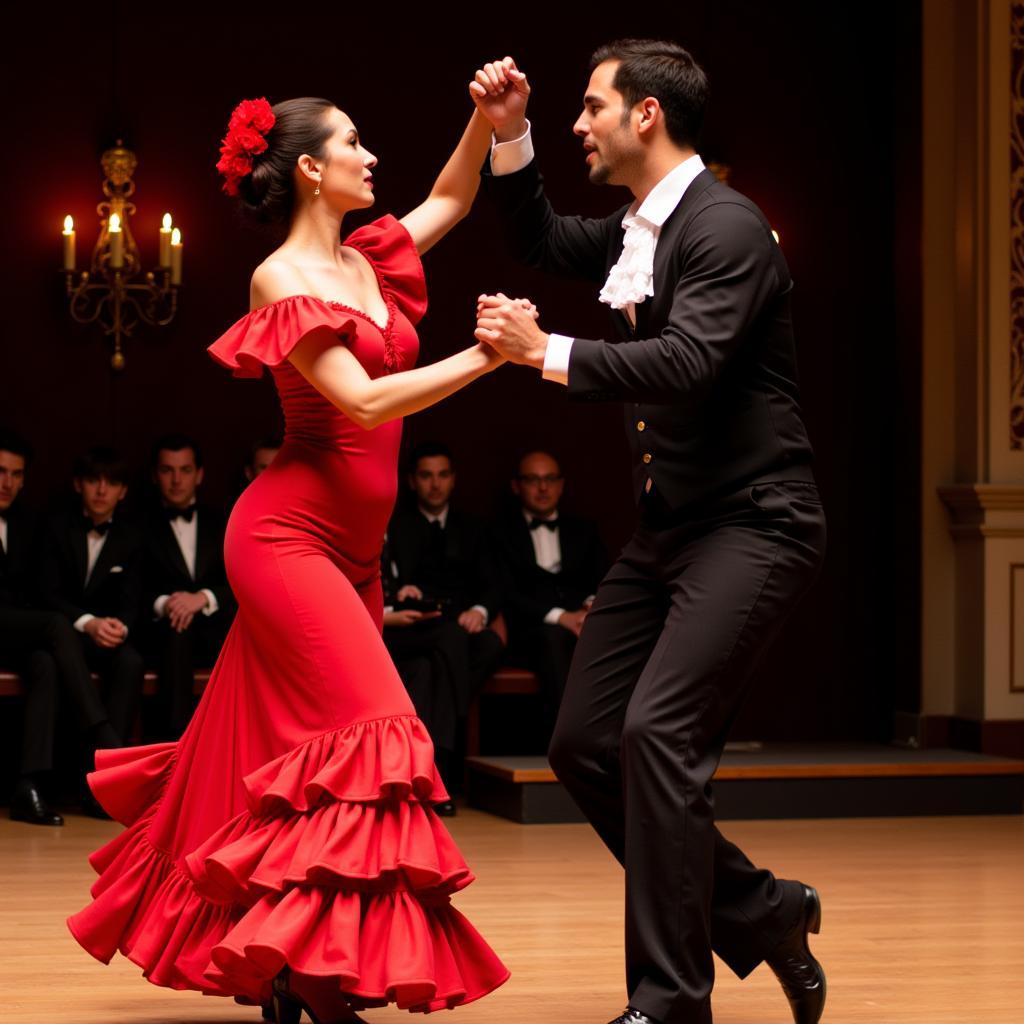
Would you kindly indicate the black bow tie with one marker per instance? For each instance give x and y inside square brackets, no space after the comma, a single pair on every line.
[180,513]
[101,528]
[551,524]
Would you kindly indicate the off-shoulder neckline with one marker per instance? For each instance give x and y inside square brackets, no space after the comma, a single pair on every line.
[385,329]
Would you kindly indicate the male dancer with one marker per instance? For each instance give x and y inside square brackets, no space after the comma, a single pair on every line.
[731,530]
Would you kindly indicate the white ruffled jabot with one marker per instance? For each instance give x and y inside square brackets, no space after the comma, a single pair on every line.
[632,277]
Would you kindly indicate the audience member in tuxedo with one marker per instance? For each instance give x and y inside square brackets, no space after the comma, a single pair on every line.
[40,645]
[186,595]
[550,565]
[442,562]
[91,573]
[261,455]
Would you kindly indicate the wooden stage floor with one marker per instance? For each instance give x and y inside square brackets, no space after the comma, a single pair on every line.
[923,923]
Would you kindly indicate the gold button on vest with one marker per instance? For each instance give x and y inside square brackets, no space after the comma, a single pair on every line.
[641,426]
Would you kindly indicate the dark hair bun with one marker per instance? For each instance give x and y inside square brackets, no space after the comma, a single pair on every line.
[267,195]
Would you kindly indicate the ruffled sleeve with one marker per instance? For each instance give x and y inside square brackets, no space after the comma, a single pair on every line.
[266,336]
[392,253]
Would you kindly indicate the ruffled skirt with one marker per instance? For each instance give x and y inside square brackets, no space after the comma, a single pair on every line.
[338,868]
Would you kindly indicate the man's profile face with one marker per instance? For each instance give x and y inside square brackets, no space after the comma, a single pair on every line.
[12,478]
[539,484]
[261,458]
[100,496]
[177,477]
[610,144]
[433,480]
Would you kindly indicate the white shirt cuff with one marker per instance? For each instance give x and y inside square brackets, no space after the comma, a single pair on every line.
[553,616]
[388,609]
[211,602]
[82,620]
[556,358]
[160,606]
[483,611]
[509,157]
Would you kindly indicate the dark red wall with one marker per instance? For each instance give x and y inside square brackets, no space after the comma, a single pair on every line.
[815,111]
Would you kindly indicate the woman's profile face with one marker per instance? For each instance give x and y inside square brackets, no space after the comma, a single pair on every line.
[347,181]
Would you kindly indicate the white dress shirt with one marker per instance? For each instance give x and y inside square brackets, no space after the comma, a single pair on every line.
[3,534]
[631,279]
[94,545]
[186,534]
[547,549]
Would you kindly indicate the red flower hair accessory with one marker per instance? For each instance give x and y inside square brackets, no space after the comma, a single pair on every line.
[246,137]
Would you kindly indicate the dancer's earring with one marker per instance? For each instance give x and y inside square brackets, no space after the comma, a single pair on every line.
[316,191]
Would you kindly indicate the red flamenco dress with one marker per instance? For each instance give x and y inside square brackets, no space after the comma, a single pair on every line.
[292,823]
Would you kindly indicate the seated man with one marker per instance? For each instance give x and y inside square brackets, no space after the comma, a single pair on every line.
[91,573]
[261,455]
[550,565]
[40,645]
[441,562]
[186,592]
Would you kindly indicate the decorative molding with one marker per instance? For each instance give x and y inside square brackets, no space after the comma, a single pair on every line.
[984,510]
[1016,424]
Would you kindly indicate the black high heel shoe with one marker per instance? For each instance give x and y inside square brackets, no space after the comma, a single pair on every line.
[287,1007]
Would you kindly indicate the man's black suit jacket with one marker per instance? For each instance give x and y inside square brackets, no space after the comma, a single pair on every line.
[530,592]
[164,569]
[115,586]
[19,563]
[462,573]
[709,374]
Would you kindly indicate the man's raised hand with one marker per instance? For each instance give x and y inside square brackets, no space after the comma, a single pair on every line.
[500,91]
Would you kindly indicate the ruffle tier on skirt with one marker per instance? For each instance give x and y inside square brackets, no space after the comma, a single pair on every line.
[338,868]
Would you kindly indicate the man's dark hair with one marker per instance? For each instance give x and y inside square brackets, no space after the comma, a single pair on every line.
[664,70]
[267,441]
[100,462]
[428,450]
[15,444]
[176,443]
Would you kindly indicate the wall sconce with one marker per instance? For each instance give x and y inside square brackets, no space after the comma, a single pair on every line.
[106,293]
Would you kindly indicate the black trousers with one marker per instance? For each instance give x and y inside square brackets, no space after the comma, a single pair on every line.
[43,647]
[660,671]
[121,675]
[547,650]
[176,657]
[461,663]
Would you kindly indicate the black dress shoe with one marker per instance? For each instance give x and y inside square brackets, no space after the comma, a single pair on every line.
[27,804]
[631,1016]
[445,809]
[800,975]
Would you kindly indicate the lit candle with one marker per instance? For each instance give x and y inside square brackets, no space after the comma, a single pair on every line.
[116,239]
[69,243]
[176,248]
[165,242]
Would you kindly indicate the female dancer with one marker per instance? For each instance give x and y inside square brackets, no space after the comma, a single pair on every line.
[287,847]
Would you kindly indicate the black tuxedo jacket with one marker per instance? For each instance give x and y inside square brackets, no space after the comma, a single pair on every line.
[530,592]
[18,564]
[115,586]
[164,570]
[709,374]
[462,573]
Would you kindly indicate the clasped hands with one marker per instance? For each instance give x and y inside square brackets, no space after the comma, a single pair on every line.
[509,326]
[182,607]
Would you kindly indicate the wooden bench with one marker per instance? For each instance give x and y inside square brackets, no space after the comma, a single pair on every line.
[12,686]
[506,681]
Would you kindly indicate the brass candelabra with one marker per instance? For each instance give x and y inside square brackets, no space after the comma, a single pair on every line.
[107,293]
